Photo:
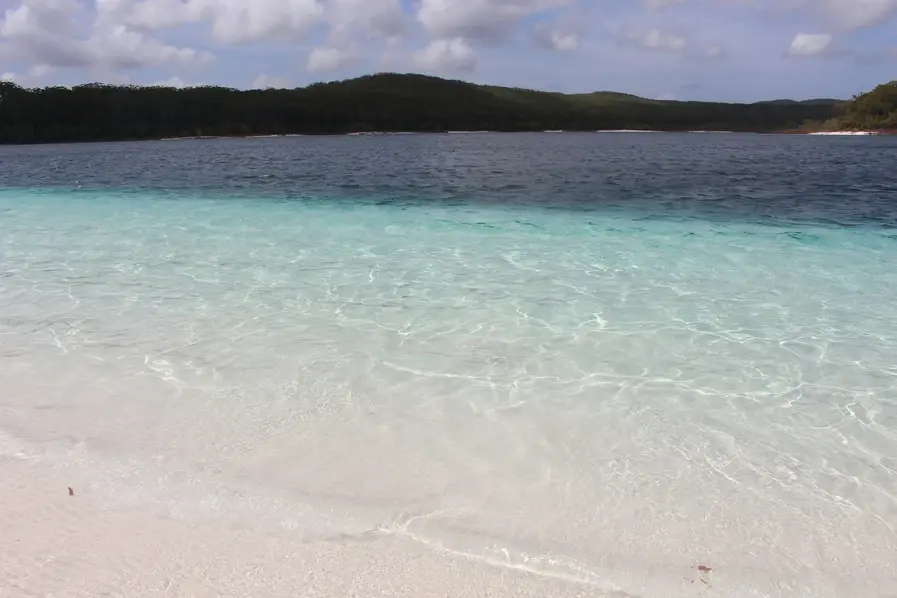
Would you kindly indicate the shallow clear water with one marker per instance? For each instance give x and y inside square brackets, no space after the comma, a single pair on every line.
[605,357]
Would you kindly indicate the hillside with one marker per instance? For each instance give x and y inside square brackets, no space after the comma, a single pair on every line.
[382,102]
[874,110]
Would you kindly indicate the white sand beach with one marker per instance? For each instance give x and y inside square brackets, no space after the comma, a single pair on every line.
[54,544]
[845,133]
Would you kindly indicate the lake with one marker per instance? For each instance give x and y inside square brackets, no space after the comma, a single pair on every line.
[639,362]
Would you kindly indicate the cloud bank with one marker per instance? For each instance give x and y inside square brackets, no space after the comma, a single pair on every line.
[721,49]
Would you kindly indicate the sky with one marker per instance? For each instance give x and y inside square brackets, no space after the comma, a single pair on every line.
[722,50]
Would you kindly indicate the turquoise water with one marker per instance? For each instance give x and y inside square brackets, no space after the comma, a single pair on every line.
[601,357]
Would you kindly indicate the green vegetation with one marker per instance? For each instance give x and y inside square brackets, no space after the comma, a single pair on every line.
[383,102]
[874,110]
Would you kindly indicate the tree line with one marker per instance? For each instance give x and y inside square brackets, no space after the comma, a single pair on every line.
[382,102]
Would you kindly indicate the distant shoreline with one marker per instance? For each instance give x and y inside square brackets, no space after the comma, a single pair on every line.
[397,103]
[819,133]
[870,133]
[844,133]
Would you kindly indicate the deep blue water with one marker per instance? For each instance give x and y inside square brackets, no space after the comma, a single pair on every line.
[754,178]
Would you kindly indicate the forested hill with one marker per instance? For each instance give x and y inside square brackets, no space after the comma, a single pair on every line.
[874,110]
[383,102]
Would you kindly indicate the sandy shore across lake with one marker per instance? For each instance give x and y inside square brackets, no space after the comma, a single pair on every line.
[57,544]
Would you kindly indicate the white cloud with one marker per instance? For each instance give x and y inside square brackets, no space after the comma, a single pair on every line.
[175,81]
[244,21]
[39,71]
[122,48]
[716,51]
[382,18]
[113,40]
[149,15]
[658,40]
[482,20]
[557,38]
[564,42]
[231,21]
[31,78]
[834,15]
[239,21]
[325,59]
[810,44]
[661,4]
[447,55]
[353,22]
[264,81]
[856,14]
[53,33]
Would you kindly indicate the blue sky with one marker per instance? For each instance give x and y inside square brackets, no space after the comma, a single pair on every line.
[730,50]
